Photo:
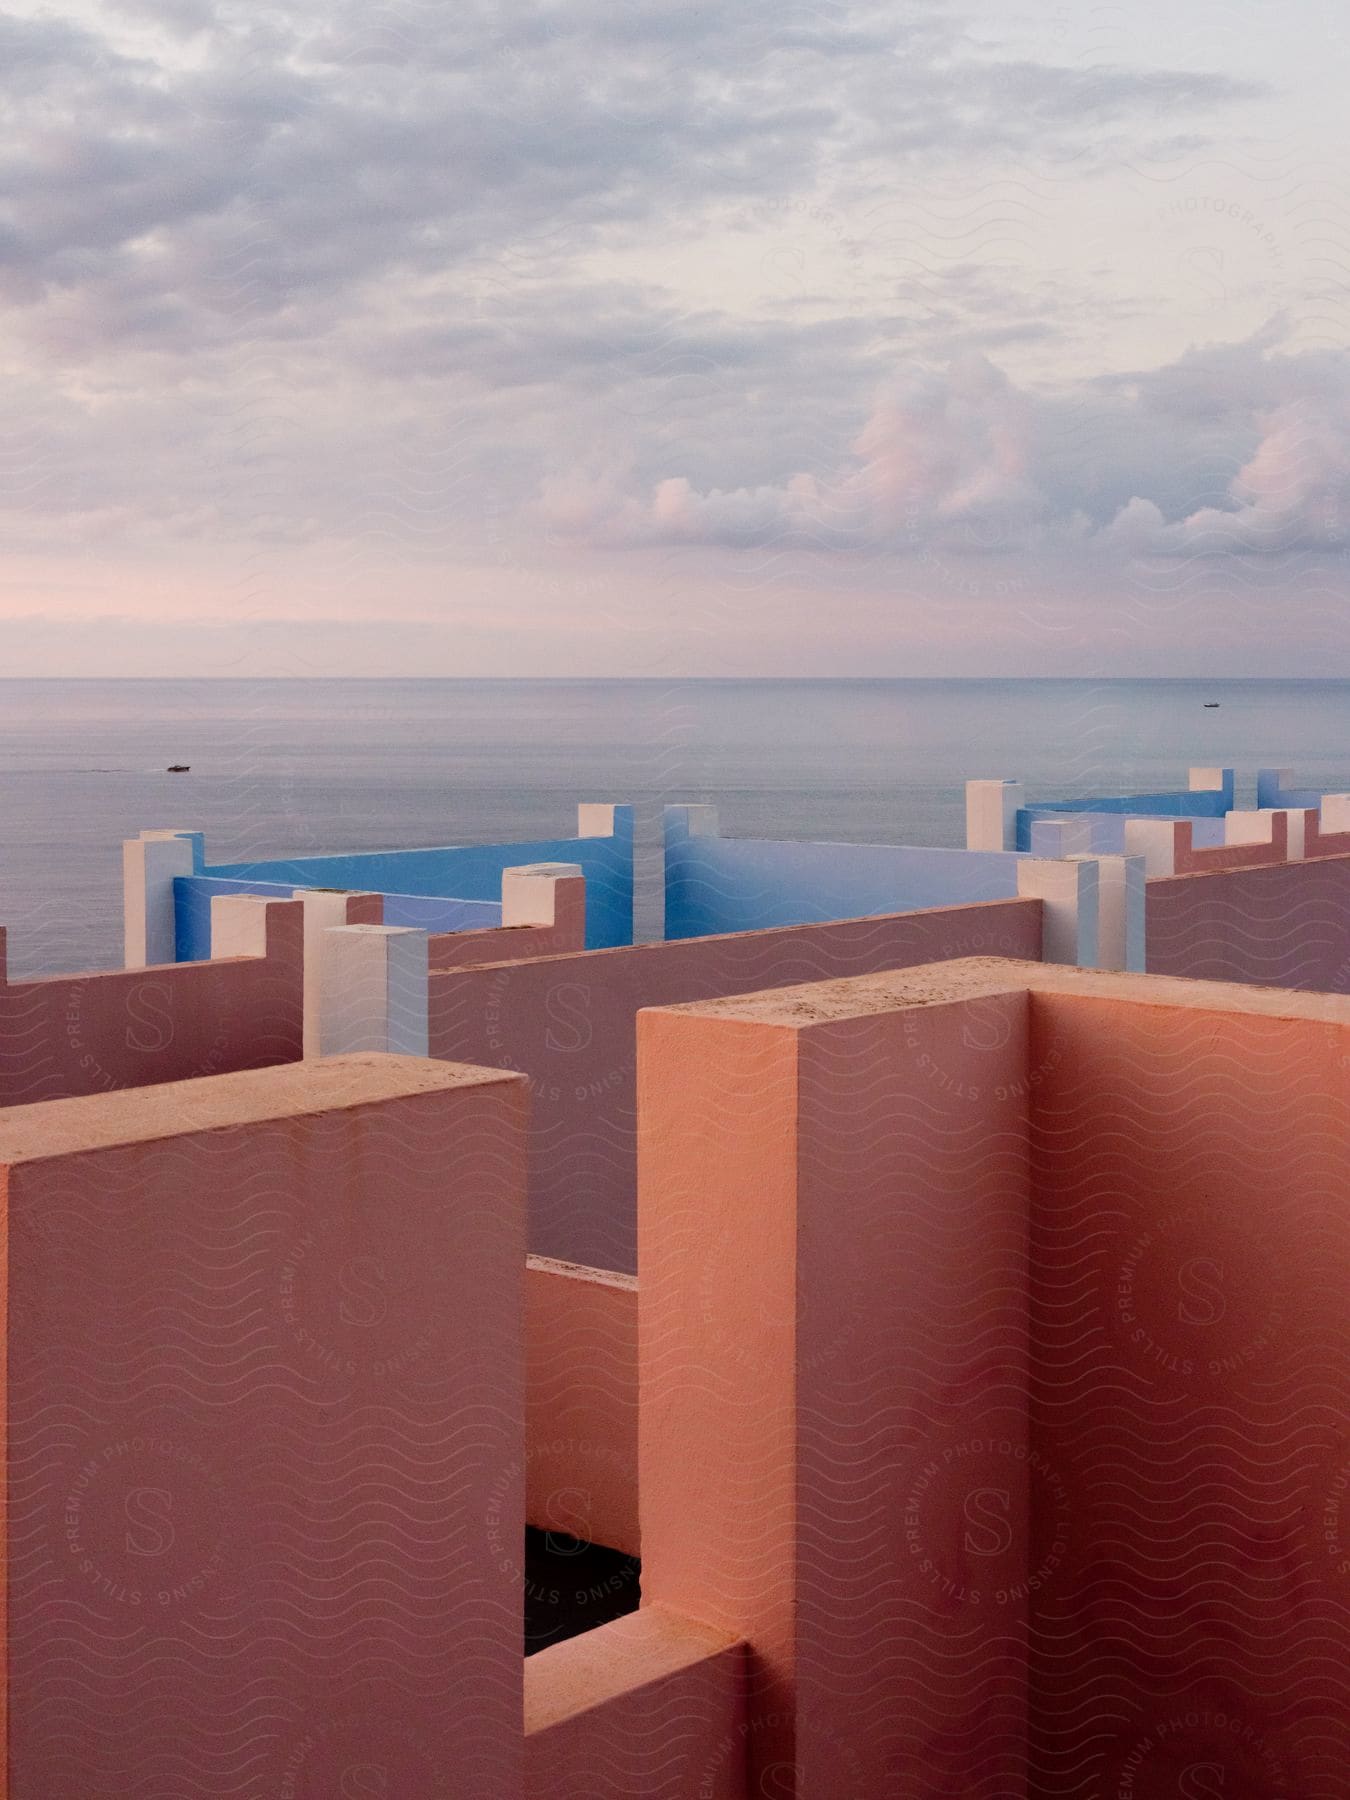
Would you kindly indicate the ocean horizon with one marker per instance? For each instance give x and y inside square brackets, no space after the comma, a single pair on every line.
[309,765]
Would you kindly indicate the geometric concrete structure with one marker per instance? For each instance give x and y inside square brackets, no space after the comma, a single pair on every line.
[262,1407]
[581,1402]
[986,1381]
[543,914]
[1275,925]
[650,1706]
[150,865]
[716,885]
[368,983]
[569,1023]
[374,994]
[1205,800]
[991,814]
[993,1377]
[62,1035]
[436,889]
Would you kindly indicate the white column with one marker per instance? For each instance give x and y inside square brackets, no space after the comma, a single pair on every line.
[1069,836]
[1156,841]
[1120,912]
[1205,781]
[324,909]
[1334,813]
[150,864]
[542,893]
[991,814]
[373,990]
[1270,785]
[595,818]
[1258,827]
[694,817]
[1069,889]
[239,925]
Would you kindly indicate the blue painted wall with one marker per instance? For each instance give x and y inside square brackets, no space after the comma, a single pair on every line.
[716,884]
[1108,829]
[449,873]
[1182,803]
[193,895]
[1270,793]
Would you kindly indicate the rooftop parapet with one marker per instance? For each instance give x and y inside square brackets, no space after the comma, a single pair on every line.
[63,1035]
[263,1401]
[986,1313]
[999,816]
[715,885]
[448,887]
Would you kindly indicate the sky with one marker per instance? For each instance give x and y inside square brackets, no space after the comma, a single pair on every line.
[659,340]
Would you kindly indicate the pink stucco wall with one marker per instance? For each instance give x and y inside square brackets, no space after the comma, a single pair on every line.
[833,1336]
[1316,842]
[564,932]
[581,1402]
[64,1035]
[1190,1253]
[650,1707]
[1211,858]
[569,1023]
[1015,1449]
[1286,925]
[263,1415]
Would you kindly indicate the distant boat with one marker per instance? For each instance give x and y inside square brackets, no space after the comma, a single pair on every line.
[1210,703]
[178,768]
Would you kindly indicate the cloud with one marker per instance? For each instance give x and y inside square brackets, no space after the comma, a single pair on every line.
[962,458]
[242,165]
[374,278]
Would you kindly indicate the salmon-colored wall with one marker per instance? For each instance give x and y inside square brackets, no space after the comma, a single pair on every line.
[64,1035]
[1316,842]
[994,1379]
[515,942]
[581,1402]
[1190,1260]
[1281,926]
[833,1336]
[568,1022]
[264,1485]
[1211,858]
[649,1707]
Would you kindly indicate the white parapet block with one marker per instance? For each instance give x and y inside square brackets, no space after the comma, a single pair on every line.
[1120,912]
[1155,840]
[325,909]
[1070,835]
[1334,813]
[1258,827]
[595,818]
[1271,784]
[695,817]
[1069,888]
[991,814]
[373,990]
[150,864]
[239,925]
[1207,781]
[542,893]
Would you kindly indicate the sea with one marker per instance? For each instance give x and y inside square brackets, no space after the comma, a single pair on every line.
[310,766]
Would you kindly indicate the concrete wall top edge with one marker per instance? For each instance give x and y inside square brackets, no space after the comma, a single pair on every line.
[573,1271]
[659,946]
[90,1122]
[937,984]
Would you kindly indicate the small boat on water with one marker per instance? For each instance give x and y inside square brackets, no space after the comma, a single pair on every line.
[178,768]
[1210,704]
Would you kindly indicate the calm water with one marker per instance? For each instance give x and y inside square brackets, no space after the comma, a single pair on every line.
[331,765]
